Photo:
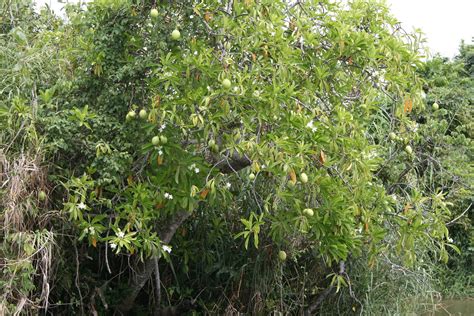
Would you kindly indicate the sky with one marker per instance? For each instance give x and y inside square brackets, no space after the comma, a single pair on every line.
[444,23]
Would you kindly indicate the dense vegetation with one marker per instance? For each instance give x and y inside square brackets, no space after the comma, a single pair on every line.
[230,156]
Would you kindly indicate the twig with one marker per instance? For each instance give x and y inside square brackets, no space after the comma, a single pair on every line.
[77,280]
[462,214]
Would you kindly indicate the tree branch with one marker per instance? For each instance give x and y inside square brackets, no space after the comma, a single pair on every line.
[462,214]
[314,306]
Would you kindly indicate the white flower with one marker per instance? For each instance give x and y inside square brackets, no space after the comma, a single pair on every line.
[394,197]
[264,166]
[81,206]
[166,248]
[113,245]
[168,196]
[160,152]
[228,185]
[191,16]
[195,53]
[450,239]
[311,126]
[162,127]
[92,230]
[196,170]
[120,234]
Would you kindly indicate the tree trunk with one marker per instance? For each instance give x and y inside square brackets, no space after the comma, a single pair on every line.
[145,270]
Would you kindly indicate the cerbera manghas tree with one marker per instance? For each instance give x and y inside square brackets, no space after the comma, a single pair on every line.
[272,92]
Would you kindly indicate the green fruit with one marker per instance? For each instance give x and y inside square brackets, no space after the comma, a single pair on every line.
[304,177]
[251,176]
[132,114]
[226,83]
[155,140]
[128,117]
[142,114]
[154,13]
[42,195]
[163,139]
[211,143]
[392,136]
[175,35]
[408,149]
[214,148]
[308,212]
[435,106]
[282,255]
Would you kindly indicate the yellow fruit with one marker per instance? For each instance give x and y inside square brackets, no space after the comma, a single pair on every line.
[154,13]
[251,176]
[226,83]
[42,196]
[282,255]
[175,35]
[304,177]
[435,106]
[308,212]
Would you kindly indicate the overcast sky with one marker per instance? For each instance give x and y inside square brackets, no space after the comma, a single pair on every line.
[445,23]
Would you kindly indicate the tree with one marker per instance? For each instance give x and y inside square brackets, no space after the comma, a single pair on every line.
[268,88]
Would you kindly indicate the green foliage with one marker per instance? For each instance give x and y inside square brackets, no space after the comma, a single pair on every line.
[302,96]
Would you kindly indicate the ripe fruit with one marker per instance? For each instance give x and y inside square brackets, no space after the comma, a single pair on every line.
[142,114]
[408,149]
[155,140]
[163,139]
[304,177]
[308,212]
[175,35]
[251,176]
[42,195]
[154,13]
[435,106]
[282,255]
[392,136]
[226,83]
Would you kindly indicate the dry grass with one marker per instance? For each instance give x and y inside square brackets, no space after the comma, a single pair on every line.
[27,244]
